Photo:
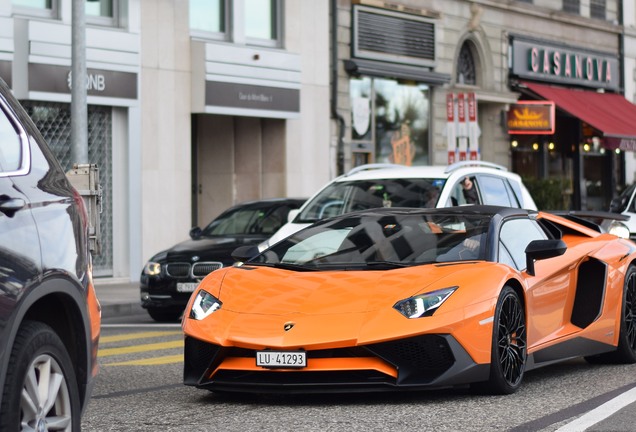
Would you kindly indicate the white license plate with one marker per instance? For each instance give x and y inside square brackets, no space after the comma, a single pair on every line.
[281,359]
[187,286]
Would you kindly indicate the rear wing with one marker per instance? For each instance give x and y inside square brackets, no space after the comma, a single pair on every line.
[599,221]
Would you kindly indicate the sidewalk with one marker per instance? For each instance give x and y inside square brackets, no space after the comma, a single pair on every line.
[118,297]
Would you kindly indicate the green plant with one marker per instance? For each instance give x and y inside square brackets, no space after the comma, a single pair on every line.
[551,193]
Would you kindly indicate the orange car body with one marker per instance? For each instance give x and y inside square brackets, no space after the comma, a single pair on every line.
[572,306]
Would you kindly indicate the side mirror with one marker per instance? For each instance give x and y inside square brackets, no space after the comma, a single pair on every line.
[244,253]
[543,249]
[195,233]
[292,214]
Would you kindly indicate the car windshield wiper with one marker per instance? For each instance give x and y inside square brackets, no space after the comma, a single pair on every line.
[284,266]
[387,265]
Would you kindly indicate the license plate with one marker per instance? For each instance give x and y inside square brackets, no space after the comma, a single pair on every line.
[281,359]
[187,286]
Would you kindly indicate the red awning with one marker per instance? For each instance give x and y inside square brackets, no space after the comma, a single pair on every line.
[610,113]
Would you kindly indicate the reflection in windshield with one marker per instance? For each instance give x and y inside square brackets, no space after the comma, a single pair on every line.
[345,197]
[247,221]
[379,240]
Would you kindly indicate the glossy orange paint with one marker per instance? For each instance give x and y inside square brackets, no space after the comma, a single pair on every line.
[340,309]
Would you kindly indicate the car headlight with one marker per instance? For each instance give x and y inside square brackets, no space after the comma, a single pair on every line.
[423,304]
[152,268]
[204,305]
[619,229]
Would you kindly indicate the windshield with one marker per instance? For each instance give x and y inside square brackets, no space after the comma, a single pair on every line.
[348,196]
[393,240]
[248,220]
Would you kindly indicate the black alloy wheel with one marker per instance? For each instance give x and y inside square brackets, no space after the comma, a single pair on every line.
[509,347]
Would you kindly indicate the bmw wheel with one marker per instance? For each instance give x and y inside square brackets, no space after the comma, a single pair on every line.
[40,392]
[509,348]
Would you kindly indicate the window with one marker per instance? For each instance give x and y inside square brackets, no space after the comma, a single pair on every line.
[466,71]
[597,9]
[41,8]
[495,191]
[101,12]
[514,237]
[256,23]
[572,6]
[10,146]
[208,16]
[393,117]
[261,20]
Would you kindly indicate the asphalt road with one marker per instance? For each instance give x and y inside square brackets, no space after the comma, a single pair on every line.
[140,388]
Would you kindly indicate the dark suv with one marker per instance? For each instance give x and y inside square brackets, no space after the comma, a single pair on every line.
[49,314]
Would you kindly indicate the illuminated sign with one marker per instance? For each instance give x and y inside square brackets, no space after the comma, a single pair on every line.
[531,117]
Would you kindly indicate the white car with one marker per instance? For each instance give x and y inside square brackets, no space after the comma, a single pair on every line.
[624,204]
[388,185]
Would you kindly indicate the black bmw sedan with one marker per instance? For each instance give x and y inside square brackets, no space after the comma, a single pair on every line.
[169,277]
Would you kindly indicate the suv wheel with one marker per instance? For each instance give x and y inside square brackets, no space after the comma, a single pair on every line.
[40,392]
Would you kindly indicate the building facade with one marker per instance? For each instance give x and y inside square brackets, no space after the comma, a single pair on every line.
[193,106]
[431,82]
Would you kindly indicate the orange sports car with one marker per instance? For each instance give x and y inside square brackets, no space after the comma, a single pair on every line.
[401,299]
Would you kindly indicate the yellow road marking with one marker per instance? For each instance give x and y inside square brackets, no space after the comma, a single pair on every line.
[139,348]
[149,362]
[140,335]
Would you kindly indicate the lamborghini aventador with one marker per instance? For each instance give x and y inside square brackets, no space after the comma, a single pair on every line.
[402,299]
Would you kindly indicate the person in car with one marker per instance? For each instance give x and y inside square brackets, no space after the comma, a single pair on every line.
[470,192]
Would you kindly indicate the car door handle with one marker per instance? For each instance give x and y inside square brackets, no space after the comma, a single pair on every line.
[9,205]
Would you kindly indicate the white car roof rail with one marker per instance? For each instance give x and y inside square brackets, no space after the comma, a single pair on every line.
[473,163]
[368,167]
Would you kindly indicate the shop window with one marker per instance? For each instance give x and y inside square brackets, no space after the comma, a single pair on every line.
[597,9]
[40,8]
[572,6]
[390,120]
[257,23]
[466,70]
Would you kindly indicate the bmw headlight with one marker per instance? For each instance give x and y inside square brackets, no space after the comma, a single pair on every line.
[152,268]
[204,305]
[619,229]
[423,304]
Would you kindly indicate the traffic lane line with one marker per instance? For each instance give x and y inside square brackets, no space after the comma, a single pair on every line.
[106,352]
[600,413]
[153,361]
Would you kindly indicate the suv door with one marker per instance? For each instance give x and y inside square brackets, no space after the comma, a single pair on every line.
[19,243]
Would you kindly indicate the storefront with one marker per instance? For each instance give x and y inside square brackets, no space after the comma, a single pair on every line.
[576,149]
[391,80]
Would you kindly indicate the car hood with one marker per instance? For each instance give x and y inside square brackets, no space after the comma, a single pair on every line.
[269,291]
[340,308]
[210,248]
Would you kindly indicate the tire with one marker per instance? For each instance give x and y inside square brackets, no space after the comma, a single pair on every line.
[39,361]
[509,345]
[626,349]
[164,315]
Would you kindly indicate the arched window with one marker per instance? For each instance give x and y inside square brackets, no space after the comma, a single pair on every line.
[466,71]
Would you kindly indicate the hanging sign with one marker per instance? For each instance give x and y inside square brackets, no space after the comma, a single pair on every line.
[531,117]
